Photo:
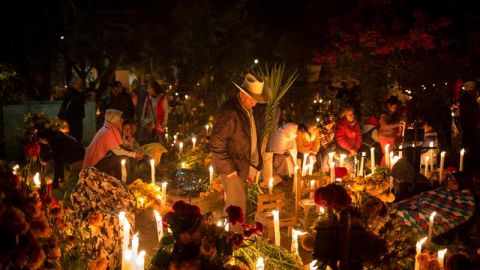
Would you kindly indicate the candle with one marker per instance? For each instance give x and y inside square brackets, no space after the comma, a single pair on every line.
[166,136]
[394,160]
[127,263]
[134,247]
[372,159]
[15,169]
[387,155]
[427,159]
[313,265]
[158,219]
[362,164]
[418,247]
[390,160]
[342,160]
[260,265]
[183,165]
[441,257]
[312,184]
[140,262]
[400,152]
[311,162]
[332,172]
[164,194]
[276,226]
[152,169]
[321,211]
[36,180]
[430,226]
[330,157]
[207,126]
[194,141]
[355,164]
[431,155]
[462,153]
[210,170]
[294,245]
[304,164]
[124,170]
[270,186]
[126,236]
[180,146]
[442,164]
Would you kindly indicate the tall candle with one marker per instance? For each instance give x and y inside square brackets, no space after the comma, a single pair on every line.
[124,170]
[276,226]
[442,164]
[362,164]
[164,194]
[312,184]
[441,257]
[210,170]
[462,153]
[270,186]
[158,219]
[332,172]
[400,152]
[387,155]
[418,248]
[427,160]
[311,162]
[294,245]
[260,265]
[372,159]
[180,146]
[330,157]
[36,180]
[342,160]
[127,263]
[431,155]
[135,247]
[430,226]
[304,164]
[390,160]
[207,126]
[140,262]
[194,141]
[152,170]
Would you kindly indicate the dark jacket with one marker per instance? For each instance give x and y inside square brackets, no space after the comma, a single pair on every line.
[73,106]
[230,141]
[122,102]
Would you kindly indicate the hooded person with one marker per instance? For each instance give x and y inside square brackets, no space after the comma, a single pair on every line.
[105,152]
[284,147]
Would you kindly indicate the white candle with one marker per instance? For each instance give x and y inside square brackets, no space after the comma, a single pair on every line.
[313,265]
[207,126]
[304,164]
[312,184]
[400,152]
[430,226]
[210,170]
[135,247]
[36,180]
[342,160]
[387,155]
[194,141]
[362,164]
[164,194]
[140,262]
[127,263]
[260,265]
[152,169]
[442,164]
[431,155]
[124,170]
[183,165]
[372,159]
[427,160]
[330,157]
[180,146]
[270,186]
[294,245]
[295,180]
[126,238]
[332,172]
[276,226]
[158,219]
[462,153]
[418,247]
[311,162]
[441,257]
[390,160]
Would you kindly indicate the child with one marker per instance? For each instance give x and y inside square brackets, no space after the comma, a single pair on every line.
[128,134]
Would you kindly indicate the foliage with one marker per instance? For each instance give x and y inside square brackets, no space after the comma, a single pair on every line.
[9,91]
[147,195]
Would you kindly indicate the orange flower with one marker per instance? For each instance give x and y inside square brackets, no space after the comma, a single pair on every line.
[95,219]
[99,264]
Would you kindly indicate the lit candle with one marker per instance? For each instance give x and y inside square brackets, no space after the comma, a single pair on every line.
[304,164]
[430,226]
[219,223]
[140,262]
[180,146]
[342,160]
[294,246]
[166,136]
[36,180]
[362,163]
[311,162]
[394,160]
[270,186]
[442,164]
[158,219]
[313,265]
[462,153]
[15,169]
[427,160]
[135,247]
[207,126]
[321,210]
[418,247]
[332,172]
[276,226]
[164,194]
[152,169]
[312,184]
[390,160]
[260,265]
[330,157]
[194,141]
[372,159]
[124,170]
[400,152]
[183,165]
[441,257]
[210,170]
[387,155]
[431,155]
[127,263]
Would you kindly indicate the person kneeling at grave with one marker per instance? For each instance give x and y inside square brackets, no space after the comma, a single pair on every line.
[105,152]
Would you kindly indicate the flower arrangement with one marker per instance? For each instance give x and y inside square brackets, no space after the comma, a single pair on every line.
[147,196]
[215,186]
[333,196]
[196,159]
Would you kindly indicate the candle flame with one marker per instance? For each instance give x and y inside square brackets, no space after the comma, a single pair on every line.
[432,215]
[36,179]
[141,257]
[260,264]
[123,161]
[462,152]
[421,242]
[441,253]
[210,169]
[442,154]
[152,162]
[364,154]
[313,264]
[219,223]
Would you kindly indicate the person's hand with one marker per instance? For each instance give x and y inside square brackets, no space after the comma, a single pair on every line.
[402,123]
[138,156]
[232,176]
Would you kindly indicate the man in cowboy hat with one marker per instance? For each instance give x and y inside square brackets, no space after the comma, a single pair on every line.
[234,141]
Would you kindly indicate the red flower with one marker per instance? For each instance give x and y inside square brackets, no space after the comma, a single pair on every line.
[236,240]
[340,172]
[32,150]
[333,196]
[235,214]
[451,169]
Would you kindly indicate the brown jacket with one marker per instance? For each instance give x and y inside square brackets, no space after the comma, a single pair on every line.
[230,141]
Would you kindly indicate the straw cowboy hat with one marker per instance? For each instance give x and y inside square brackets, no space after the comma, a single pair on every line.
[469,86]
[255,89]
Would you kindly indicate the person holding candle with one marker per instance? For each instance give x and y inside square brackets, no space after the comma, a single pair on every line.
[105,151]
[388,125]
[348,135]
[234,141]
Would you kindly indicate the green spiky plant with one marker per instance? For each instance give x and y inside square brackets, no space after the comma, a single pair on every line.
[279,84]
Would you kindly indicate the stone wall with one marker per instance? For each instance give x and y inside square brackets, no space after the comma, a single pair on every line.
[13,122]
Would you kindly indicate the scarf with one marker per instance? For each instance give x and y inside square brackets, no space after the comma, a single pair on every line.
[107,137]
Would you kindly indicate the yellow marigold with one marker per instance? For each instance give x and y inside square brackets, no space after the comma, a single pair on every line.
[358,187]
